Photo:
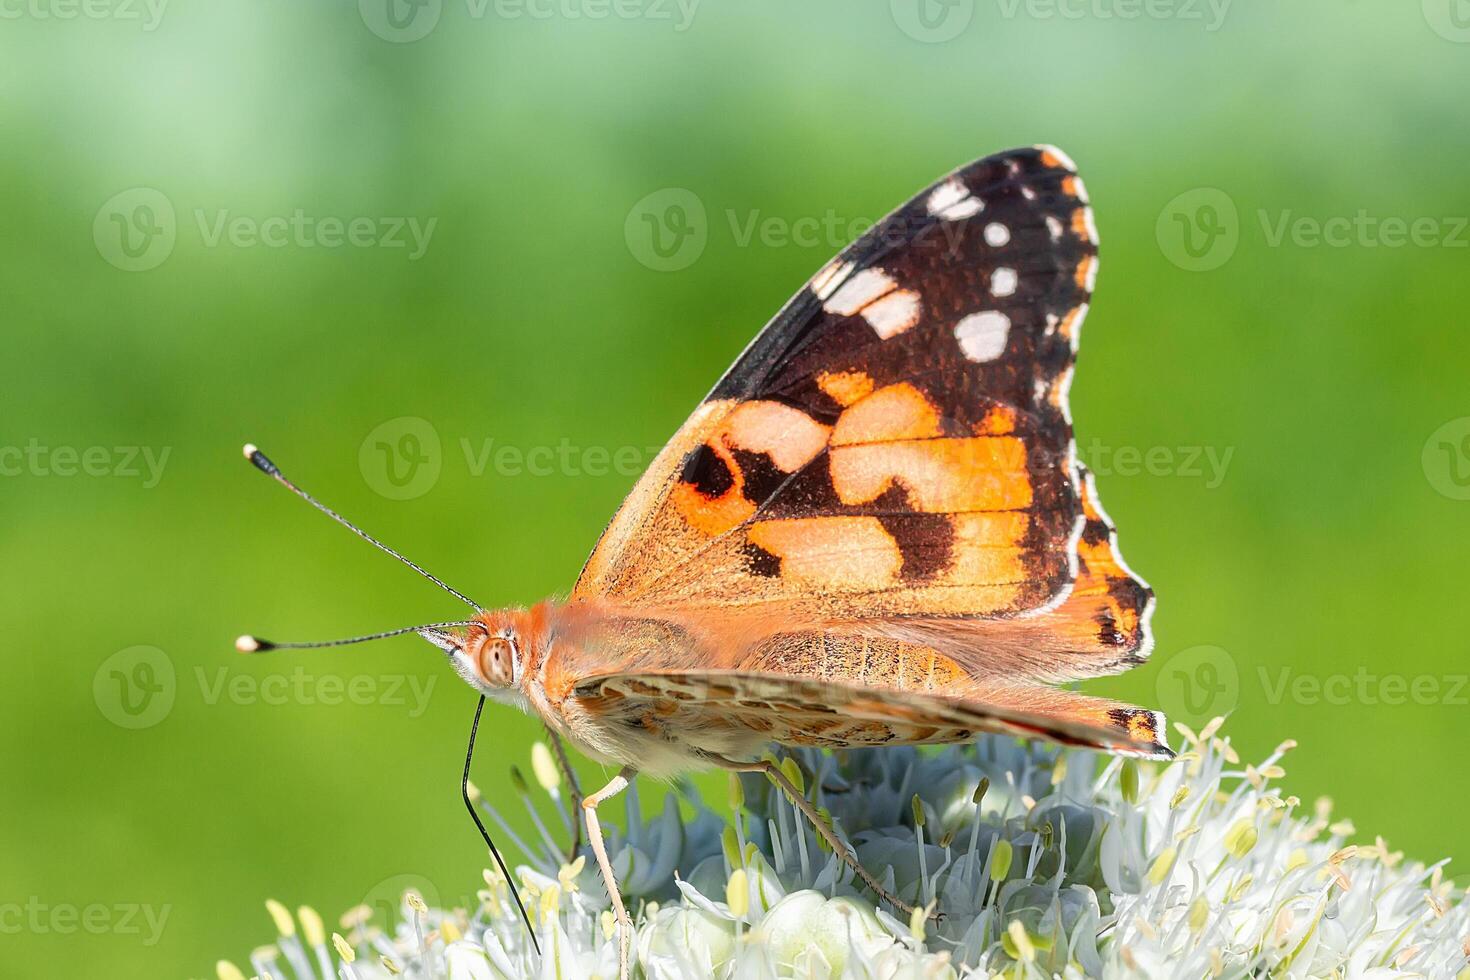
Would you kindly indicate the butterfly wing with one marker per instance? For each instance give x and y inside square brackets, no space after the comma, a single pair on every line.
[896,442]
[695,707]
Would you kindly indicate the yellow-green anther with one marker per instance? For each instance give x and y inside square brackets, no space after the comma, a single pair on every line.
[344,949]
[732,846]
[1020,946]
[1199,914]
[312,926]
[1128,779]
[226,970]
[737,893]
[981,789]
[1048,834]
[1000,861]
[918,806]
[1059,770]
[285,925]
[1241,838]
[947,839]
[544,768]
[518,781]
[737,792]
[1162,865]
[1180,795]
[792,772]
[389,965]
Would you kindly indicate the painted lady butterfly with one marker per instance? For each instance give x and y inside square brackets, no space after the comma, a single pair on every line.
[874,531]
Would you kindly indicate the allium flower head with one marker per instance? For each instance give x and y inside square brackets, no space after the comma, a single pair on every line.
[1043,863]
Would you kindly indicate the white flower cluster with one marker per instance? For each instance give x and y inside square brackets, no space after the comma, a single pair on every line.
[1041,862]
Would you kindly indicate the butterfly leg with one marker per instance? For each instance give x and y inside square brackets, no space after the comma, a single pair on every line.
[559,751]
[818,824]
[594,833]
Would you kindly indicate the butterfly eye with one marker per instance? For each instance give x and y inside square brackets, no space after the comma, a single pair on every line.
[497,661]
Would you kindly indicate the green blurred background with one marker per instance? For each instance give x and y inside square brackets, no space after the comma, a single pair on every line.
[1278,418]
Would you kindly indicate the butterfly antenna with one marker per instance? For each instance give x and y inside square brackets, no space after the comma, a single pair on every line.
[464,791]
[263,463]
[254,644]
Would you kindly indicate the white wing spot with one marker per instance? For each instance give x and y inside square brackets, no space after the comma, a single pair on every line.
[1003,282]
[1055,227]
[894,313]
[952,201]
[983,336]
[997,234]
[859,291]
[826,280]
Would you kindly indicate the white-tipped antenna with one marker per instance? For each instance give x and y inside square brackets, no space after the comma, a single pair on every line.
[430,631]
[262,462]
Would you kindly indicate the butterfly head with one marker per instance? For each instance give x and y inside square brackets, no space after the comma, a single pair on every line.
[492,652]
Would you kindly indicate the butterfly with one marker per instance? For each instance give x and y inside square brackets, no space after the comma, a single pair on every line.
[875,530]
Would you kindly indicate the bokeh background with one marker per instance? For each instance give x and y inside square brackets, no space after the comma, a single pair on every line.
[460,266]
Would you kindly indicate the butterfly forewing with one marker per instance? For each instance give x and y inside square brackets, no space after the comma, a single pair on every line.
[896,442]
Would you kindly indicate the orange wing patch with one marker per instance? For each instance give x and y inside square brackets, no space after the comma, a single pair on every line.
[859,461]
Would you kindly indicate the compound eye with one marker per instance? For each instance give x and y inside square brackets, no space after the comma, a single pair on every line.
[497,661]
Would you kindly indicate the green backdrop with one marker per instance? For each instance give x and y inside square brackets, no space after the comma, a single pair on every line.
[313,225]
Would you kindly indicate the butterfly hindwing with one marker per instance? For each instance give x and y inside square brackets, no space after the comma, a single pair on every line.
[896,442]
[829,714]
